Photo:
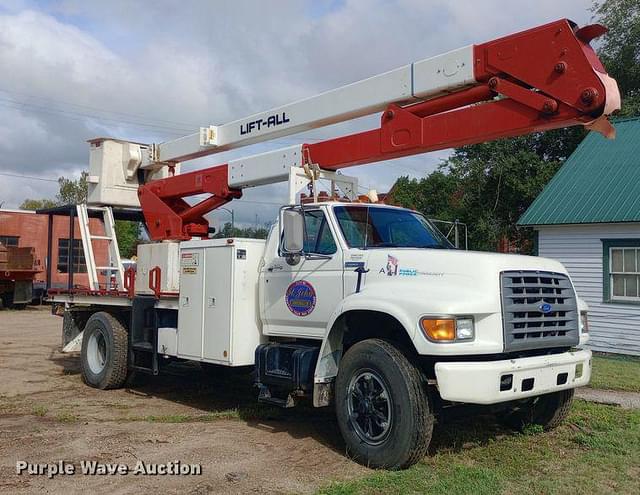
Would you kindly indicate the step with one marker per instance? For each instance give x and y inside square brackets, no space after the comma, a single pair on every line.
[143,369]
[101,237]
[265,397]
[142,346]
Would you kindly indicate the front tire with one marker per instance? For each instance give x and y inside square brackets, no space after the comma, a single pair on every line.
[548,411]
[382,406]
[104,352]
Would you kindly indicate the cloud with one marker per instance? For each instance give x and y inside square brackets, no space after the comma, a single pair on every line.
[151,71]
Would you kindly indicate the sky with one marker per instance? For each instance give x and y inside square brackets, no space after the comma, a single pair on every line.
[151,71]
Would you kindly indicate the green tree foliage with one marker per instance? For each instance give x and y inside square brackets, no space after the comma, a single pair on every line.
[128,235]
[248,232]
[620,48]
[73,192]
[70,192]
[488,186]
[37,204]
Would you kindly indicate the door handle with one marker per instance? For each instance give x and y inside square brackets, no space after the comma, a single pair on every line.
[274,267]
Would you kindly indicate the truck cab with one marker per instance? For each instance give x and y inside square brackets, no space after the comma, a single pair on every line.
[481,328]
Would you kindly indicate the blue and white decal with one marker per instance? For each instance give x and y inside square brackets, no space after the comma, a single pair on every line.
[300,298]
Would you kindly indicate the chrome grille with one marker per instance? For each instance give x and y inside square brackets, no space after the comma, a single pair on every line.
[539,310]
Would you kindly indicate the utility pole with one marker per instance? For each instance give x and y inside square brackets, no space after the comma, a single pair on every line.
[233,218]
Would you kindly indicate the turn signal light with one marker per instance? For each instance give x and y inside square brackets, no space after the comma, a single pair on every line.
[439,330]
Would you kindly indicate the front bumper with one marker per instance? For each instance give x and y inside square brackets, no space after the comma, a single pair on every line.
[480,382]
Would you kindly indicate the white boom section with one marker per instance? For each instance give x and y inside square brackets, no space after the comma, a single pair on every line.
[420,80]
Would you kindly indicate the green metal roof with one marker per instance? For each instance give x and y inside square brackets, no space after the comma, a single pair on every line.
[599,182]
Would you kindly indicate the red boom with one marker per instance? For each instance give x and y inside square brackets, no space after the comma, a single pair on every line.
[545,78]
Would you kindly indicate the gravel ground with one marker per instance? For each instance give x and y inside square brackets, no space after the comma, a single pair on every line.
[627,400]
[47,414]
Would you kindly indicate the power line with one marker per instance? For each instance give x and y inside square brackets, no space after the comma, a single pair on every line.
[20,176]
[114,112]
[177,128]
[81,116]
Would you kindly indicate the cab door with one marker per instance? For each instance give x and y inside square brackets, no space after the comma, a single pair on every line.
[300,298]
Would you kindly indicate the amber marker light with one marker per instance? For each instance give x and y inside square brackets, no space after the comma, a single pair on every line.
[439,330]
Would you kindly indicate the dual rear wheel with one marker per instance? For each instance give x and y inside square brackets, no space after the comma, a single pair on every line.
[104,352]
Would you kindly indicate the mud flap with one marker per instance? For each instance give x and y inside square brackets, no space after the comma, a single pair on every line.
[75,345]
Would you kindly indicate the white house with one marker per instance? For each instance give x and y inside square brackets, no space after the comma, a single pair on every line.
[588,217]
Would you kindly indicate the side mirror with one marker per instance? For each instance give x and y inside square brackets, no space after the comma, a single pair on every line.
[292,231]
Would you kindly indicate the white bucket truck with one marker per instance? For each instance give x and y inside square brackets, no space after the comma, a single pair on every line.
[350,302]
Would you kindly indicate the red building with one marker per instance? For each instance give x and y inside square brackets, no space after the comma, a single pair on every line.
[28,229]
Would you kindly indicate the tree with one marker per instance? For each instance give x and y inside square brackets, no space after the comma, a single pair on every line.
[37,204]
[73,192]
[620,48]
[249,232]
[70,192]
[488,186]
[128,235]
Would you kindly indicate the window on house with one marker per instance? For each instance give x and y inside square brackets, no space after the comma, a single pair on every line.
[79,263]
[622,270]
[9,240]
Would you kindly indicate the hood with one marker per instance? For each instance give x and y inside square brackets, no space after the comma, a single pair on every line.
[451,280]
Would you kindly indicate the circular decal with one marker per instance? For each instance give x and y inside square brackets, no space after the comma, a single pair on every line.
[300,298]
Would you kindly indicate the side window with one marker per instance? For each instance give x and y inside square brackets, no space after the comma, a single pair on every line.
[621,270]
[319,239]
[355,225]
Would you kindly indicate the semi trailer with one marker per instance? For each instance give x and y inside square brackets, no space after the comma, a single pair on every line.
[349,302]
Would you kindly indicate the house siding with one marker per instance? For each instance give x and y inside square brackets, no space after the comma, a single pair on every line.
[613,327]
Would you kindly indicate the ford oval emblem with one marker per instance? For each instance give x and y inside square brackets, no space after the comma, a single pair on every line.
[545,308]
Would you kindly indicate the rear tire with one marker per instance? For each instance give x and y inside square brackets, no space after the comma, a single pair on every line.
[382,406]
[104,352]
[548,411]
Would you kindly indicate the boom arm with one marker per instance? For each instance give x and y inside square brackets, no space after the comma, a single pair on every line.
[536,80]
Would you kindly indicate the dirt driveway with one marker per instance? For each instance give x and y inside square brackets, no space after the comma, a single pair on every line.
[47,414]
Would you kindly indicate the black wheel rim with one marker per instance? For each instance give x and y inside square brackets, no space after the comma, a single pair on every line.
[370,407]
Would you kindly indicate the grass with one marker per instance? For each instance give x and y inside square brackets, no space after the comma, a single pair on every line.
[39,410]
[615,372]
[597,450]
[66,417]
[245,413]
[192,418]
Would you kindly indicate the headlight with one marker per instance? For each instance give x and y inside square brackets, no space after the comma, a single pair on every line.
[584,322]
[464,329]
[447,329]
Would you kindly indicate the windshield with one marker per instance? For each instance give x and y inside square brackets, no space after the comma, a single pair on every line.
[374,227]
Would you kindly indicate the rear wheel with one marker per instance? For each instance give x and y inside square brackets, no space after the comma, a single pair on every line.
[548,411]
[104,352]
[382,406]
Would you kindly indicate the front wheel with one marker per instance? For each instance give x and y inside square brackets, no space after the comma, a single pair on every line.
[382,406]
[548,411]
